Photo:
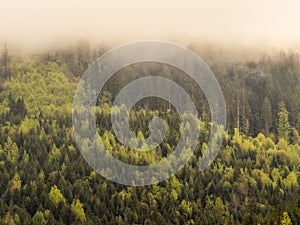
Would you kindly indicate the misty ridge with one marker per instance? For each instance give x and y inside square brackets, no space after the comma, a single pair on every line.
[250,76]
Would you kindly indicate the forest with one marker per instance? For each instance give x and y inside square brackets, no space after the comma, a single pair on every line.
[254,179]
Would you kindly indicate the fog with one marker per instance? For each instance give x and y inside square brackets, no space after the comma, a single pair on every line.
[35,24]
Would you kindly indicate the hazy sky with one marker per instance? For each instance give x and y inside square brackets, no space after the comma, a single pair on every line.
[36,22]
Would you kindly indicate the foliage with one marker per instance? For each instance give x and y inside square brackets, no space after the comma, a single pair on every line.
[254,180]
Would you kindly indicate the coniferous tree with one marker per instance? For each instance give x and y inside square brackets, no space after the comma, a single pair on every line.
[283,123]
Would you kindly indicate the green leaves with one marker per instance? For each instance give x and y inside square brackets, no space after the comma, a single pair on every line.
[77,209]
[286,220]
[45,180]
[56,196]
[11,150]
[283,123]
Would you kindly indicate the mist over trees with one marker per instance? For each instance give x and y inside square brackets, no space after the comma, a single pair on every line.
[254,180]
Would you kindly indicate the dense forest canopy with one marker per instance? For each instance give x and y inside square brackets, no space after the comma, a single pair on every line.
[254,180]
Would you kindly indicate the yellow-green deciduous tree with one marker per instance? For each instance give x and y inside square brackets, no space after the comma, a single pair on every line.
[56,196]
[78,210]
[286,220]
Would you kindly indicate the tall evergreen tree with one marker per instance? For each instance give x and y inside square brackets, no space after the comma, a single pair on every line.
[266,112]
[5,62]
[283,123]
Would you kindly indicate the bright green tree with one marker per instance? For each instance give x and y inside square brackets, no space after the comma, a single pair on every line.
[283,123]
[56,196]
[78,210]
[286,220]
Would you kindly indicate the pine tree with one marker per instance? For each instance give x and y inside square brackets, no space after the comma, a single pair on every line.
[283,123]
[5,63]
[78,210]
[266,112]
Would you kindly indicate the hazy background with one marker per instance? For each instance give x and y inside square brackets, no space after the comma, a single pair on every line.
[34,23]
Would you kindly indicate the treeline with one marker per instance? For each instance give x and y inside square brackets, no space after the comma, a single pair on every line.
[254,180]
[254,87]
